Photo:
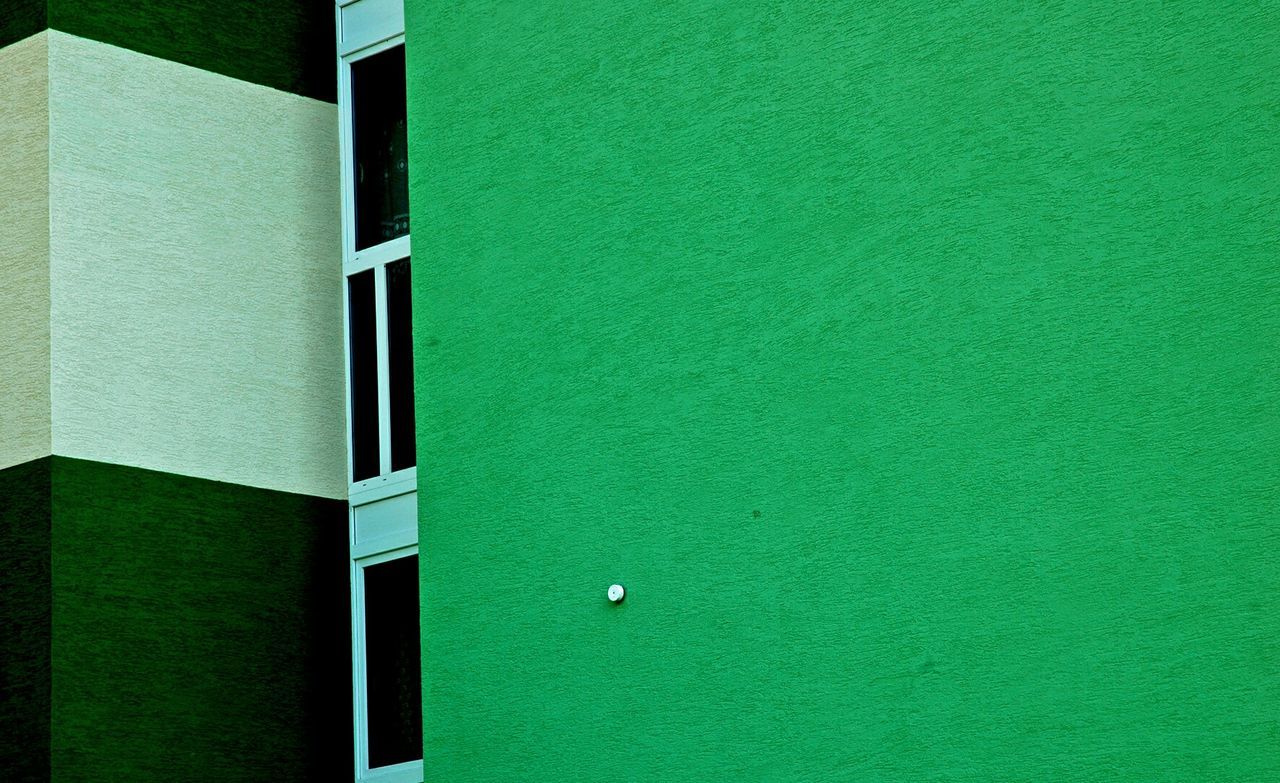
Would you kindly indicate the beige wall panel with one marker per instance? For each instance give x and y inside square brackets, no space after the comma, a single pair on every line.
[196,272]
[24,251]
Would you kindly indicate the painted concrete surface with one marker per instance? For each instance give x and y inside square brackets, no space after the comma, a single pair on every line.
[26,621]
[24,251]
[196,286]
[913,365]
[201,630]
[21,19]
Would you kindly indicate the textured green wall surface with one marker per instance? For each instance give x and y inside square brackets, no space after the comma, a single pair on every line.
[22,18]
[286,44]
[914,366]
[201,630]
[25,625]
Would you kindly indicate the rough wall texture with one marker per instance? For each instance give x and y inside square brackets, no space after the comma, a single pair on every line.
[24,251]
[25,622]
[915,367]
[159,628]
[194,630]
[20,19]
[201,630]
[196,296]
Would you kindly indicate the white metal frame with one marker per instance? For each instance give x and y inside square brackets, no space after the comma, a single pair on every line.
[374,26]
[373,258]
[393,773]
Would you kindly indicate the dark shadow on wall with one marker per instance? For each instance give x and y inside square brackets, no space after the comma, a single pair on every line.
[25,604]
[22,18]
[201,629]
[285,44]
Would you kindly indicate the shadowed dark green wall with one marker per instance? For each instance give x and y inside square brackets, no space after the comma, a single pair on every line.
[285,44]
[201,630]
[22,18]
[25,607]
[914,366]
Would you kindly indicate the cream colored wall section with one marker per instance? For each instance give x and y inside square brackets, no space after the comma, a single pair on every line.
[24,251]
[196,284]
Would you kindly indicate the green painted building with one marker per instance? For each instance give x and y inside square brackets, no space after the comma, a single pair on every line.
[916,369]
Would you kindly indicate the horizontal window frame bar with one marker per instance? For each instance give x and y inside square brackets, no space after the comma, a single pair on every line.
[389,485]
[389,24]
[379,255]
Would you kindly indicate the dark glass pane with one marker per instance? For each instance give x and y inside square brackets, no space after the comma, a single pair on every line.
[400,352]
[381,147]
[364,376]
[393,668]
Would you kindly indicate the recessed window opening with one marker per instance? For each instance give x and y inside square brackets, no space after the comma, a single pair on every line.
[393,668]
[381,148]
[382,455]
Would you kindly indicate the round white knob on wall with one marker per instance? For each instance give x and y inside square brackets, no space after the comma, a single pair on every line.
[617,593]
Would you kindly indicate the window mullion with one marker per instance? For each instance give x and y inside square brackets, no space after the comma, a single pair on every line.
[360,676]
[384,369]
[346,355]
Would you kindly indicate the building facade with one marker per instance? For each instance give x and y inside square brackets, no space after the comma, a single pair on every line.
[914,368]
[174,599]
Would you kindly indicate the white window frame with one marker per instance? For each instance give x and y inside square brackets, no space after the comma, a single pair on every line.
[365,28]
[373,258]
[392,773]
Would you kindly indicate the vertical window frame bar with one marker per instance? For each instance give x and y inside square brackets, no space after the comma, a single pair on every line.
[349,407]
[384,369]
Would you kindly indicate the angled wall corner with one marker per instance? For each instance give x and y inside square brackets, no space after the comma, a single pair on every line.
[168,269]
[24,251]
[196,311]
[172,456]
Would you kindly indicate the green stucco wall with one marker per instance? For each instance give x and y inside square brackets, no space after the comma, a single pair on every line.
[26,601]
[200,630]
[915,366]
[285,44]
[22,18]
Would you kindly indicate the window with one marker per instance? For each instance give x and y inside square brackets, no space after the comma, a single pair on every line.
[386,662]
[393,665]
